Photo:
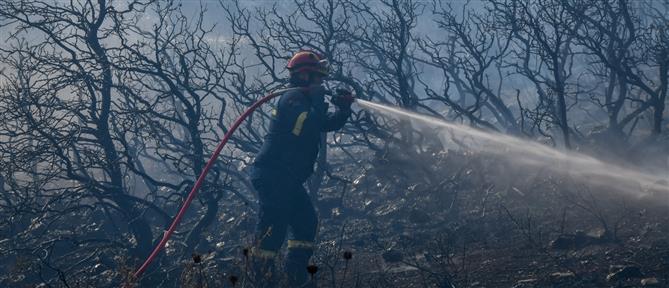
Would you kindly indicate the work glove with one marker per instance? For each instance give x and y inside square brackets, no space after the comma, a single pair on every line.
[343,99]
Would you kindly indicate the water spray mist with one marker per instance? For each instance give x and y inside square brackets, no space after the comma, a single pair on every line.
[582,167]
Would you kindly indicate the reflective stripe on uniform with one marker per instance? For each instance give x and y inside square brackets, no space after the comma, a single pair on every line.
[297,244]
[261,253]
[274,113]
[299,123]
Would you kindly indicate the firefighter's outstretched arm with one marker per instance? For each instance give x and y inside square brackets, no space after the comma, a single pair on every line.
[342,101]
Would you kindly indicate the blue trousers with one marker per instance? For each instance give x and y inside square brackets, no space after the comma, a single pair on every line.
[285,204]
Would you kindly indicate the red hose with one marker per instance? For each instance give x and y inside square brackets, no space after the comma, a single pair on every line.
[200,179]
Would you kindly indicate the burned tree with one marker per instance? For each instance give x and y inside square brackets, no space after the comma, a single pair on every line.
[73,67]
[470,57]
[630,46]
[95,102]
[543,52]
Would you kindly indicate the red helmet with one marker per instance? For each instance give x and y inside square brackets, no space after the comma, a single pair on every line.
[307,61]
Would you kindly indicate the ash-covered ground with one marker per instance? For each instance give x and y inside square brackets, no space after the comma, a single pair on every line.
[455,219]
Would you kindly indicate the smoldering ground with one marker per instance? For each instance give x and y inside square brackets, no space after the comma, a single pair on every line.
[457,214]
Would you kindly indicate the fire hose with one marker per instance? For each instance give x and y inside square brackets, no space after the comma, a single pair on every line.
[200,179]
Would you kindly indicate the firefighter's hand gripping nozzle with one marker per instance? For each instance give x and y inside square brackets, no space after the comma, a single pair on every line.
[342,98]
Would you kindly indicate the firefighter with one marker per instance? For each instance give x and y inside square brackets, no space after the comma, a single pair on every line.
[284,163]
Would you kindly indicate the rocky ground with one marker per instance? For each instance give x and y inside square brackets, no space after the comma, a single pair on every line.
[466,220]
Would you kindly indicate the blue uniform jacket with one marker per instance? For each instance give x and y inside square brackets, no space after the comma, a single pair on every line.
[291,145]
